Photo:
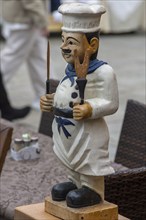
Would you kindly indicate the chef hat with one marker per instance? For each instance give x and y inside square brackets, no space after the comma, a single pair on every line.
[81,17]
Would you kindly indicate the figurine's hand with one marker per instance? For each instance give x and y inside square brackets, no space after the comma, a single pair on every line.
[46,102]
[82,111]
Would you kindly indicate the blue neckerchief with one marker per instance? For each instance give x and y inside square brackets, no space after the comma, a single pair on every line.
[71,73]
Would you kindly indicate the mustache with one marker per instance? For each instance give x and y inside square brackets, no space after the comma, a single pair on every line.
[66,51]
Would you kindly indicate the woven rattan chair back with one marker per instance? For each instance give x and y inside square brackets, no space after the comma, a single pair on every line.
[5,141]
[127,189]
[131,151]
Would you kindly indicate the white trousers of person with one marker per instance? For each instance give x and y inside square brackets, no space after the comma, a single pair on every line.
[29,46]
[95,183]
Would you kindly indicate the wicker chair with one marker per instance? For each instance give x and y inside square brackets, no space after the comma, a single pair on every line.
[5,141]
[126,188]
[132,143]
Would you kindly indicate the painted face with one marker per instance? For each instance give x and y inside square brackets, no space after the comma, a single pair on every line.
[71,42]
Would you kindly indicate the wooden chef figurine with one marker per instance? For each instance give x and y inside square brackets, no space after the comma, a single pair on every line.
[87,93]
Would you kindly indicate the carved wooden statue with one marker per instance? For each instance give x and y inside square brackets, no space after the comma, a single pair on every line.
[86,94]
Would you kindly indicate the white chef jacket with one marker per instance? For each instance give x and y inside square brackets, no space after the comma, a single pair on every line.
[82,145]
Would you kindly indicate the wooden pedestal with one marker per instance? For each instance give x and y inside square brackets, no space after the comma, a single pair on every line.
[37,212]
[33,212]
[103,211]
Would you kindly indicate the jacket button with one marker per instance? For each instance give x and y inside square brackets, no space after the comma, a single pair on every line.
[74,95]
[71,104]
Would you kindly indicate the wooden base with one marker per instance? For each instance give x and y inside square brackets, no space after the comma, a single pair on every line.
[103,211]
[37,212]
[33,212]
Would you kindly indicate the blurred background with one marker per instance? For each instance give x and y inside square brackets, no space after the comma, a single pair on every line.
[122,45]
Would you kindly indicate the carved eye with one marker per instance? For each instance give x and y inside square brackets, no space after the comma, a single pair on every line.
[70,42]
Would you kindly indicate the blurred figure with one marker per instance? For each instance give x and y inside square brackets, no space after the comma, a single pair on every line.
[7,111]
[27,22]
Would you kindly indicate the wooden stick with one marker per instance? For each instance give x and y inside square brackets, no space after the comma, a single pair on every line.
[48,69]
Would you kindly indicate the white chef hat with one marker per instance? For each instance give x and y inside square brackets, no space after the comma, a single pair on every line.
[81,17]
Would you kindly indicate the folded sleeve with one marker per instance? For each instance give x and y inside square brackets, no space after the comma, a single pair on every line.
[105,92]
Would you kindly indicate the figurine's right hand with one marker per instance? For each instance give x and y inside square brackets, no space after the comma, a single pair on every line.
[46,102]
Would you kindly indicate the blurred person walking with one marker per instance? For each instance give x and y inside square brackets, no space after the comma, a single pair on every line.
[7,111]
[27,21]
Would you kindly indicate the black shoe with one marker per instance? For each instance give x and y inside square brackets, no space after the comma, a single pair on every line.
[82,197]
[60,190]
[13,113]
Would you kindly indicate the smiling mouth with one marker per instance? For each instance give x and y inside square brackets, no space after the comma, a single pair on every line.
[66,55]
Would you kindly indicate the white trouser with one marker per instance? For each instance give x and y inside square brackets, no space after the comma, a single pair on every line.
[30,46]
[95,183]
